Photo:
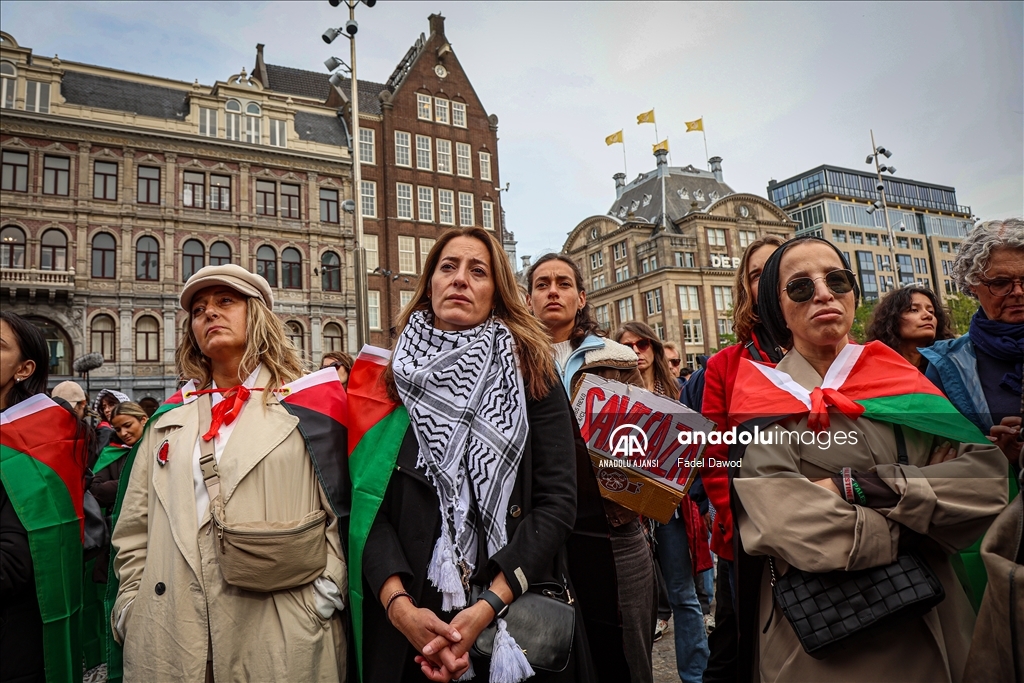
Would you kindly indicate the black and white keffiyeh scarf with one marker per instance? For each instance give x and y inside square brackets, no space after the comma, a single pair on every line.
[466,402]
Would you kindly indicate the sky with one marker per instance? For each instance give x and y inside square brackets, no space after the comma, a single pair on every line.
[782,88]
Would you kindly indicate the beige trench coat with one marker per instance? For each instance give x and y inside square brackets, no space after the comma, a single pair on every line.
[167,564]
[785,515]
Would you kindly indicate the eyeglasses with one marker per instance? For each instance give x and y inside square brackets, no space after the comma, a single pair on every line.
[1002,286]
[640,344]
[674,362]
[802,288]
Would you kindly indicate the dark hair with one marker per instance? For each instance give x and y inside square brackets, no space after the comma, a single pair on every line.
[662,373]
[339,357]
[586,323]
[33,347]
[888,315]
[685,371]
[769,300]
[744,310]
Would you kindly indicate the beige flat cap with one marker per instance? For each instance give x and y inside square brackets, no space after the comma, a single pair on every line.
[70,392]
[234,276]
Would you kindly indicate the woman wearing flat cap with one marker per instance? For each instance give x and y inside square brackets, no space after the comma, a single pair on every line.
[228,555]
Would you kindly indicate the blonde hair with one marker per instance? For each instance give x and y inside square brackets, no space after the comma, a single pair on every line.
[536,357]
[130,409]
[265,342]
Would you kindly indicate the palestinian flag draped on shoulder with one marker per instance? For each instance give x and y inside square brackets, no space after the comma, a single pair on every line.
[376,428]
[42,465]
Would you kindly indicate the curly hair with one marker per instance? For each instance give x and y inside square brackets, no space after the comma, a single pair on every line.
[888,316]
[744,311]
[586,323]
[662,373]
[976,249]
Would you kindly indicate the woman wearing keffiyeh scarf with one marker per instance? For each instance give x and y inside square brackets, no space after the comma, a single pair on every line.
[483,492]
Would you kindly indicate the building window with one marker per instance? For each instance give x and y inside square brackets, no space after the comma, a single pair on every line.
[332,337]
[147,258]
[220,192]
[53,250]
[440,110]
[685,259]
[688,299]
[446,207]
[266,198]
[368,198]
[425,203]
[253,123]
[147,340]
[12,247]
[869,284]
[426,244]
[921,266]
[289,201]
[278,133]
[149,185]
[56,173]
[8,84]
[423,107]
[625,307]
[296,337]
[404,298]
[944,247]
[596,260]
[423,156]
[619,250]
[208,122]
[328,205]
[102,336]
[403,199]
[291,268]
[839,235]
[367,148]
[906,269]
[266,264]
[487,215]
[444,156]
[465,209]
[370,245]
[485,166]
[373,309]
[716,237]
[902,243]
[15,172]
[883,262]
[37,97]
[916,243]
[330,272]
[194,189]
[622,273]
[659,330]
[598,282]
[724,328]
[872,240]
[104,180]
[459,114]
[402,153]
[857,237]
[220,254]
[406,254]
[746,237]
[652,300]
[103,249]
[693,331]
[463,161]
[233,120]
[723,298]
[193,257]
[601,313]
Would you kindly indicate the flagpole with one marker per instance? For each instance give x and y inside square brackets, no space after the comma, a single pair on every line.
[624,168]
[702,132]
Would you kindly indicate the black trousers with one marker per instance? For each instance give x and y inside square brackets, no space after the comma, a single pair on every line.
[723,640]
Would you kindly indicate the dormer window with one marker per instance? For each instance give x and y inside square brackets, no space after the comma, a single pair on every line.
[8,82]
[233,120]
[713,195]
[253,123]
[634,205]
[647,199]
[622,211]
[683,194]
[698,195]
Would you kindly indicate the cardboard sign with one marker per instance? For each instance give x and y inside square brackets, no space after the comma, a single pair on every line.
[633,438]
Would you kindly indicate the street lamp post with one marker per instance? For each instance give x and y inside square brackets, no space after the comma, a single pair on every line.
[361,284]
[879,168]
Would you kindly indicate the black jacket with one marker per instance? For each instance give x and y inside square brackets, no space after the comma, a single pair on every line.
[21,626]
[540,516]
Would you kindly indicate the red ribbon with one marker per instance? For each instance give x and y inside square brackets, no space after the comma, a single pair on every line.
[225,412]
[818,419]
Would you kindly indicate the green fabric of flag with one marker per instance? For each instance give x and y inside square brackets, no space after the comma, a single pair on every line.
[927,413]
[371,463]
[108,456]
[94,625]
[41,500]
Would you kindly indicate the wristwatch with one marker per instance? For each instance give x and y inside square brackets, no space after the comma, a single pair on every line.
[496,603]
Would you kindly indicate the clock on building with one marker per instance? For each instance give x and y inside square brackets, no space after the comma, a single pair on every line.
[440,71]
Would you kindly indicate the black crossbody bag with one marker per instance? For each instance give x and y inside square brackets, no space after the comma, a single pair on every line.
[829,610]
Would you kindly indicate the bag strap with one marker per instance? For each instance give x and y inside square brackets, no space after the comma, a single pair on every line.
[901,444]
[207,459]
[751,348]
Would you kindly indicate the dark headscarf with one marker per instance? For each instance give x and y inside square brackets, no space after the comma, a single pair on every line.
[769,304]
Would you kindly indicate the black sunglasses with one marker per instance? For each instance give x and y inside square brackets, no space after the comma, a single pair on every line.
[802,288]
[640,344]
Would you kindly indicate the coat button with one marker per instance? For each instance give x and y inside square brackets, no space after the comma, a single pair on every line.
[515,511]
[160,588]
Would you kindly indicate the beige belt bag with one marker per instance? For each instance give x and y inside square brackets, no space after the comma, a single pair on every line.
[262,556]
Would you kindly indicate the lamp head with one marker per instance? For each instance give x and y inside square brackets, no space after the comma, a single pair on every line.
[333,63]
[369,3]
[892,169]
[336,79]
[334,3]
[329,35]
[871,157]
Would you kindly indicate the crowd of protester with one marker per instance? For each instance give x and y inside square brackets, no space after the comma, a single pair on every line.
[221,552]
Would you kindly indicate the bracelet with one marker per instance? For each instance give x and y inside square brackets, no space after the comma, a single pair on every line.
[394,596]
[862,499]
[848,485]
[496,603]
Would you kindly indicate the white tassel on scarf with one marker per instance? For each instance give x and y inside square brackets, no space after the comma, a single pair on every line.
[470,673]
[508,663]
[444,575]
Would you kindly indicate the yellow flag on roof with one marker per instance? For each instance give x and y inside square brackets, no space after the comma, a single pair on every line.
[661,145]
[613,138]
[693,126]
[646,117]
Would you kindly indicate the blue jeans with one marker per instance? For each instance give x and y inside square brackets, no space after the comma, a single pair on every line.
[691,639]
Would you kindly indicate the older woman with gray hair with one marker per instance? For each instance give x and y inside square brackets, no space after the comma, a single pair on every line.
[980,372]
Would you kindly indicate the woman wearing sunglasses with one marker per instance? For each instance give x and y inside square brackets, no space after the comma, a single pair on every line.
[836,498]
[651,360]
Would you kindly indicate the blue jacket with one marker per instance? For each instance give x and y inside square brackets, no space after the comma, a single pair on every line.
[953,368]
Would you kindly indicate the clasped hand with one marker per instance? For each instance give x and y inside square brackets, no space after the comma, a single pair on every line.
[444,647]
